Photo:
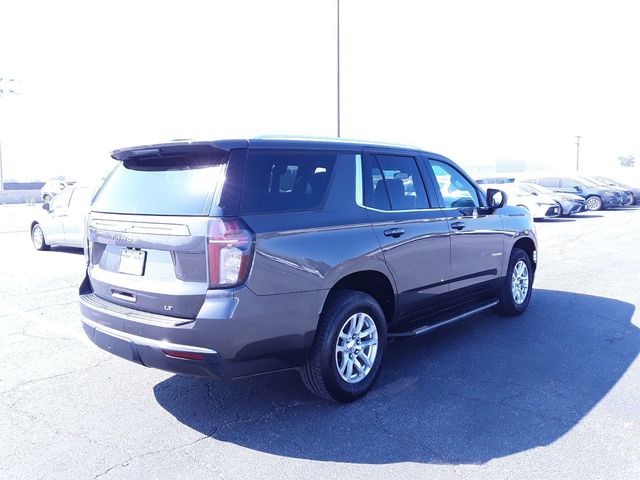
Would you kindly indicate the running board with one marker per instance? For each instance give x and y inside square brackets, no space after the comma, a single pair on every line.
[428,328]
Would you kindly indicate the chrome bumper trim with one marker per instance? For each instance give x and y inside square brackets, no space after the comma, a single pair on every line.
[147,342]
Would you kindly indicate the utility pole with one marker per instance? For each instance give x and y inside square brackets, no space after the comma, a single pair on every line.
[4,90]
[578,153]
[338,58]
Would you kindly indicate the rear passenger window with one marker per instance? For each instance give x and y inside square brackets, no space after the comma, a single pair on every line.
[285,181]
[393,182]
[550,182]
[569,183]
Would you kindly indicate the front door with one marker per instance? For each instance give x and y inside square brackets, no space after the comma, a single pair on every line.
[477,237]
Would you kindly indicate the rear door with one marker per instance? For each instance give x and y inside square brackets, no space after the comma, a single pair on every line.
[148,229]
[477,238]
[52,223]
[412,232]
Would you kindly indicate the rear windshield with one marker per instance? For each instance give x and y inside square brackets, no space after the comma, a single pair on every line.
[286,181]
[179,183]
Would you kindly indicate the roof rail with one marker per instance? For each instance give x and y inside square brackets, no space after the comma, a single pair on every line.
[332,139]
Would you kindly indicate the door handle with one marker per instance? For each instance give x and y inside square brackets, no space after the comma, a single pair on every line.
[458,225]
[394,232]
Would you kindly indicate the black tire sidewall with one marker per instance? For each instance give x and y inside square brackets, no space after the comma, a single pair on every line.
[43,245]
[338,388]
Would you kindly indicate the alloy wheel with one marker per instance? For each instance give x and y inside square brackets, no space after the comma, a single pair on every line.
[520,282]
[356,347]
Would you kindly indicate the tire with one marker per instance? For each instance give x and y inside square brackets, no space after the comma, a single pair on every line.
[514,299]
[37,238]
[327,369]
[593,203]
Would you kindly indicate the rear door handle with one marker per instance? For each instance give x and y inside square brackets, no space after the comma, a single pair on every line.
[394,232]
[458,225]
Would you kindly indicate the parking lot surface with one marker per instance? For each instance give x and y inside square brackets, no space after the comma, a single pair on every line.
[554,393]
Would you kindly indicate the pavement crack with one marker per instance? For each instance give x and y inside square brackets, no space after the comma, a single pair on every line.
[51,377]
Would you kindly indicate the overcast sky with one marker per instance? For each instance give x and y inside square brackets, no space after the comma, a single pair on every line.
[474,81]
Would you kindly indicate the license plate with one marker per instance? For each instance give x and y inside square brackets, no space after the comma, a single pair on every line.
[132,262]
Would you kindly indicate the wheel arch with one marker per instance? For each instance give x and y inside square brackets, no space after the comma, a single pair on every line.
[372,282]
[529,246]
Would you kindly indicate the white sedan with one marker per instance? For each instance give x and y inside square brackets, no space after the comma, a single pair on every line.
[63,220]
[539,206]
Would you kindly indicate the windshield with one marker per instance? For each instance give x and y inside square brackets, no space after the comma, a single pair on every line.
[605,181]
[174,185]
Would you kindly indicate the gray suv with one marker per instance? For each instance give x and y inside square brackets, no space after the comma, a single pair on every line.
[240,257]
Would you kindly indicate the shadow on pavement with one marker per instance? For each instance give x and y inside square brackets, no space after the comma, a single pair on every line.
[588,215]
[481,389]
[556,220]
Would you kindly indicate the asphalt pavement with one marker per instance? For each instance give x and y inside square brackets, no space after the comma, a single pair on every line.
[554,393]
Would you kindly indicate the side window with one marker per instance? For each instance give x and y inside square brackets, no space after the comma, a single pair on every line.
[61,200]
[569,183]
[550,182]
[285,181]
[456,190]
[374,190]
[395,181]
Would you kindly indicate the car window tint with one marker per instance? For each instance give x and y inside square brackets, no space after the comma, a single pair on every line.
[183,183]
[549,182]
[399,178]
[61,200]
[569,183]
[456,190]
[286,181]
[374,190]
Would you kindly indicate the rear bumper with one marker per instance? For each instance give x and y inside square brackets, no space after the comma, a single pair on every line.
[236,333]
[186,359]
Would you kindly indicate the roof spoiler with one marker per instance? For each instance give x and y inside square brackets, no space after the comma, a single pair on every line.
[175,148]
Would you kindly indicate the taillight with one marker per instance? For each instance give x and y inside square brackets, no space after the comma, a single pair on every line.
[230,248]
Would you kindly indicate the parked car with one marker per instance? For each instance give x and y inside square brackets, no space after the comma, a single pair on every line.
[626,197]
[540,206]
[633,191]
[495,180]
[233,258]
[570,203]
[596,197]
[53,187]
[63,220]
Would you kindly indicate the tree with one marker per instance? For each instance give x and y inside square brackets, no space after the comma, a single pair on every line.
[627,161]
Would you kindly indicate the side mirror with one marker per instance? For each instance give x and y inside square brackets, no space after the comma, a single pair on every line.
[46,206]
[496,198]
[578,188]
